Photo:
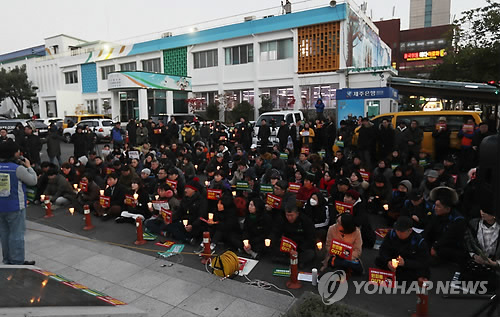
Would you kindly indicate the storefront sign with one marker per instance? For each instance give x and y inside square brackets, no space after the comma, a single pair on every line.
[422,56]
[367,93]
[138,79]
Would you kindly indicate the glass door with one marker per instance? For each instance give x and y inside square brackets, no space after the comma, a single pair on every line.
[129,106]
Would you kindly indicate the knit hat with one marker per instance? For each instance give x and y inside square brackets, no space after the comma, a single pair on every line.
[432,173]
[352,193]
[83,160]
[343,181]
[146,171]
[403,223]
[407,184]
[446,195]
[415,195]
[283,184]
[194,184]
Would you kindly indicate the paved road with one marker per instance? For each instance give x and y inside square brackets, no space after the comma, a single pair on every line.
[388,305]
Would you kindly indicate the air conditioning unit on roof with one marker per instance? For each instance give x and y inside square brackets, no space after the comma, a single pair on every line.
[249,18]
[166,34]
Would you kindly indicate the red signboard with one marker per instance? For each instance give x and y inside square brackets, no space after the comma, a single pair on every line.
[341,249]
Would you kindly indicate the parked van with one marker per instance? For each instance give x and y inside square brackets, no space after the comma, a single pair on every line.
[427,121]
[273,120]
[75,119]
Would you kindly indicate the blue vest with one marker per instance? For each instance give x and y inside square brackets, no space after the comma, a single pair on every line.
[15,199]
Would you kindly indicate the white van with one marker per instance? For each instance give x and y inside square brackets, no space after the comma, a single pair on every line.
[273,119]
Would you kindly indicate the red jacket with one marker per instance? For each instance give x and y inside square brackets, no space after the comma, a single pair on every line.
[326,185]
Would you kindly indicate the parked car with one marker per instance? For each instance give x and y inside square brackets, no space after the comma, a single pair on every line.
[179,117]
[101,127]
[41,128]
[10,124]
[75,119]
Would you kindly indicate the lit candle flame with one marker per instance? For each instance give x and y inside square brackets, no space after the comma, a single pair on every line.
[136,196]
[207,183]
[395,263]
[101,192]
[72,210]
[340,137]
[210,216]
[32,300]
[245,243]
[157,197]
[75,186]
[44,283]
[9,277]
[185,222]
[150,205]
[42,197]
[234,193]
[386,207]
[319,245]
[267,242]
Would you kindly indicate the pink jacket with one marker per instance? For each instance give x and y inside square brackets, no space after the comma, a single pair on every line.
[353,239]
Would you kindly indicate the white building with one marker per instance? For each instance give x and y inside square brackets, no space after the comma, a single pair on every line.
[427,13]
[291,59]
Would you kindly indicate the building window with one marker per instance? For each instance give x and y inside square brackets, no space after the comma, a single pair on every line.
[239,54]
[274,50]
[151,65]
[132,66]
[71,77]
[92,106]
[318,48]
[205,59]
[106,70]
[428,13]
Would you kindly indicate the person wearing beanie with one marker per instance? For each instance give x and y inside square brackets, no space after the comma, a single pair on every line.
[445,232]
[379,194]
[398,199]
[13,202]
[483,247]
[287,198]
[306,190]
[338,192]
[408,248]
[417,209]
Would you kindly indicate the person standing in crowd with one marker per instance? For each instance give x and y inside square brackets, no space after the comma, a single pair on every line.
[367,142]
[79,141]
[173,131]
[3,135]
[441,137]
[481,133]
[54,145]
[385,139]
[415,137]
[16,173]
[320,108]
[132,132]
[187,133]
[117,136]
[142,134]
[264,135]
[32,145]
[283,134]
[246,134]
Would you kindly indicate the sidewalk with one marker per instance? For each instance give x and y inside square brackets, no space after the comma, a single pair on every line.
[142,282]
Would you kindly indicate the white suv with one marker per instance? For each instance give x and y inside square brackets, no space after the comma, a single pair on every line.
[101,127]
[273,120]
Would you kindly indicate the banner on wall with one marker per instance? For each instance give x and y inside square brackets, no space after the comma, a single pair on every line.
[146,80]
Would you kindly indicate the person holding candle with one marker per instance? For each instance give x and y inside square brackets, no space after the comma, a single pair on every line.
[225,227]
[404,252]
[344,230]
[116,192]
[141,199]
[59,189]
[257,228]
[90,196]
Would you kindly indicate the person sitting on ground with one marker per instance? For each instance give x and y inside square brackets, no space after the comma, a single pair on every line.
[317,210]
[136,207]
[158,223]
[409,250]
[59,190]
[345,231]
[358,183]
[300,229]
[417,209]
[379,194]
[482,244]
[361,219]
[116,193]
[398,199]
[89,194]
[257,228]
[306,190]
[280,190]
[445,232]
[225,227]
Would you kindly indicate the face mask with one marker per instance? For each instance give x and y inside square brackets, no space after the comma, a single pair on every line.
[105,152]
[313,202]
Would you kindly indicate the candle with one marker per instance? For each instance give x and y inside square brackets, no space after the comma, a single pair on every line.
[42,197]
[102,192]
[386,207]
[196,167]
[267,242]
[218,167]
[150,205]
[210,216]
[245,243]
[340,137]
[75,186]
[319,245]
[207,183]
[185,222]
[71,210]
[157,197]
[234,193]
[136,196]
[395,263]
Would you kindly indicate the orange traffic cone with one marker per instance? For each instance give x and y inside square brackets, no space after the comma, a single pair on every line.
[422,299]
[88,220]
[294,283]
[140,239]
[206,248]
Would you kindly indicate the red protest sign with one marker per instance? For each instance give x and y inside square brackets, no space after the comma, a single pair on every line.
[166,244]
[84,186]
[287,245]
[109,170]
[304,150]
[382,232]
[365,175]
[294,187]
[342,207]
[166,215]
[157,131]
[242,262]
[214,194]
[468,128]
[381,277]
[273,201]
[341,249]
[129,200]
[172,184]
[158,204]
[105,201]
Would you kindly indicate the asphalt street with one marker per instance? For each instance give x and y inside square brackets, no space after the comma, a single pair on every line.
[383,304]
